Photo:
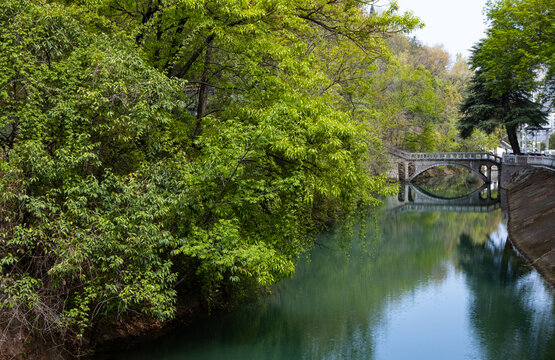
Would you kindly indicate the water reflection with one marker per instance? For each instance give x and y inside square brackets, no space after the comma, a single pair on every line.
[511,311]
[457,184]
[426,285]
[413,198]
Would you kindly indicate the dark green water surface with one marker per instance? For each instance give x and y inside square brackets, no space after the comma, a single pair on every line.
[424,285]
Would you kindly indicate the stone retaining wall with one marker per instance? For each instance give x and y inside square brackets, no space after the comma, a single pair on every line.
[531,209]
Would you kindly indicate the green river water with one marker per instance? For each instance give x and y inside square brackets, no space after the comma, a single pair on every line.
[419,285]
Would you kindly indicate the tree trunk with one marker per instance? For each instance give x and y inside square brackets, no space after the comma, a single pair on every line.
[513,140]
[204,87]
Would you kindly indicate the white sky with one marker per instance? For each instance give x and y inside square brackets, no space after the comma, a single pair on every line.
[457,24]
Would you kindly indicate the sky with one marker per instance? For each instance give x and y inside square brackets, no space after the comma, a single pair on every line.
[457,24]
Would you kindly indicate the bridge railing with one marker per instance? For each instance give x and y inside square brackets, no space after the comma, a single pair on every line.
[448,156]
[529,160]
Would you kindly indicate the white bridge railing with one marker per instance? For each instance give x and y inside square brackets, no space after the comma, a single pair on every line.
[448,156]
[533,160]
[529,160]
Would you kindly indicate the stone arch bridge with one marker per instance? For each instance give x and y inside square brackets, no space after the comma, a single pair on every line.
[407,166]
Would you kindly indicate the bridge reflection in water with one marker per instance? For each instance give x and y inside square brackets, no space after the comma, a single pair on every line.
[412,198]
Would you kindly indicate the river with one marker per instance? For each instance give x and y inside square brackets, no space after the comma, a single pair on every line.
[409,284]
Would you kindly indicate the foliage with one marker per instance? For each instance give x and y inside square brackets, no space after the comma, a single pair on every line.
[483,110]
[156,148]
[517,52]
[514,60]
[415,99]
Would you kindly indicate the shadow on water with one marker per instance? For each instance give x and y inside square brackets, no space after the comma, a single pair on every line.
[422,285]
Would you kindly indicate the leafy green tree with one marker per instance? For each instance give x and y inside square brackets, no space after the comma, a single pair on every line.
[81,113]
[415,98]
[513,61]
[154,151]
[517,52]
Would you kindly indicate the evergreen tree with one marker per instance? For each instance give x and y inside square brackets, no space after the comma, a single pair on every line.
[514,61]
[485,110]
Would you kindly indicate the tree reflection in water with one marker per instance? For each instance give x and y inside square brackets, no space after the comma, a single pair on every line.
[427,285]
[504,311]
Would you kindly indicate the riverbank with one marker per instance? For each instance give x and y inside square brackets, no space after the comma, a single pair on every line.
[531,206]
[121,333]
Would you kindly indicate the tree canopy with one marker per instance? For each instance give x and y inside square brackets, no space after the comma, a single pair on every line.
[484,110]
[513,82]
[518,51]
[157,149]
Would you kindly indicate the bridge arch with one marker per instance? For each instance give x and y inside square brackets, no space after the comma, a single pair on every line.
[459,164]
[410,165]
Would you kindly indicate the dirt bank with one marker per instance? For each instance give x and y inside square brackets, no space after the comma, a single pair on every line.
[531,207]
[120,333]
